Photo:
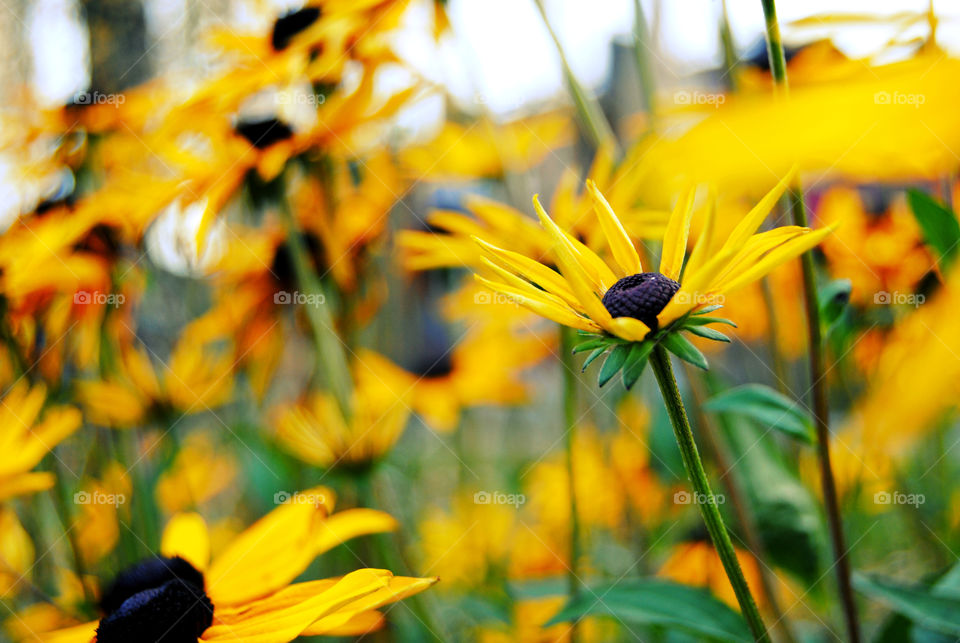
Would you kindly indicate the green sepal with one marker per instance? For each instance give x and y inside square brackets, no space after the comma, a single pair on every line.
[613,363]
[636,362]
[682,348]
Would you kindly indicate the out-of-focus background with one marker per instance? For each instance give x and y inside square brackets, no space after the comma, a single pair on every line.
[236,263]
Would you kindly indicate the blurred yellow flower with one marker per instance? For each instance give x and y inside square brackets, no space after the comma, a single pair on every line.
[199,472]
[245,593]
[25,438]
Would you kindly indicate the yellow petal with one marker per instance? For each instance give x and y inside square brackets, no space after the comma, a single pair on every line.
[84,633]
[270,553]
[274,620]
[629,328]
[398,589]
[705,242]
[675,239]
[749,224]
[542,307]
[625,255]
[186,536]
[532,271]
[782,254]
[578,257]
[344,525]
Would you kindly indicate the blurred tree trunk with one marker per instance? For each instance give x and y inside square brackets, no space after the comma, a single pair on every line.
[118,44]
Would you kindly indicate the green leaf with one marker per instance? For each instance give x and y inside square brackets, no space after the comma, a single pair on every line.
[766,406]
[636,362]
[703,321]
[834,298]
[940,227]
[709,333]
[661,603]
[589,345]
[708,309]
[682,348]
[592,356]
[613,363]
[937,612]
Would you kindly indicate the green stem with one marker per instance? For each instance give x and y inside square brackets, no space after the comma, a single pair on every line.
[641,52]
[709,510]
[567,341]
[821,408]
[595,124]
[331,358]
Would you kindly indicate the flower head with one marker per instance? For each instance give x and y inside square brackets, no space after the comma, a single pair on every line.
[629,310]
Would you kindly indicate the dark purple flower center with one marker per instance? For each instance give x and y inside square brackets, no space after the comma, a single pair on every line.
[640,296]
[289,25]
[160,599]
[265,132]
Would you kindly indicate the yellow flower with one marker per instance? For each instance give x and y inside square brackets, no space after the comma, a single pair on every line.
[194,379]
[245,592]
[97,528]
[619,301]
[16,553]
[24,440]
[199,473]
[697,563]
[511,229]
[316,431]
[483,368]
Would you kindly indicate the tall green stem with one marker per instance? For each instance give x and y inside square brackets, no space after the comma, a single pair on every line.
[595,124]
[330,355]
[821,408]
[570,427]
[709,510]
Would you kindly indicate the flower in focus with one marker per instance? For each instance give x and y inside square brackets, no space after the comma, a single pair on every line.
[623,304]
[245,593]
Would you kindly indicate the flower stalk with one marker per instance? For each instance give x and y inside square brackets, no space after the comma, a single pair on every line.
[595,124]
[660,362]
[330,355]
[567,340]
[821,409]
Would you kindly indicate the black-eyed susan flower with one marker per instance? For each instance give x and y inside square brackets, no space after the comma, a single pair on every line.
[245,592]
[623,309]
[26,438]
[316,431]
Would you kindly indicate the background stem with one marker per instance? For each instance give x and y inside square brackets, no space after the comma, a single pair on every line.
[570,431]
[660,362]
[821,409]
